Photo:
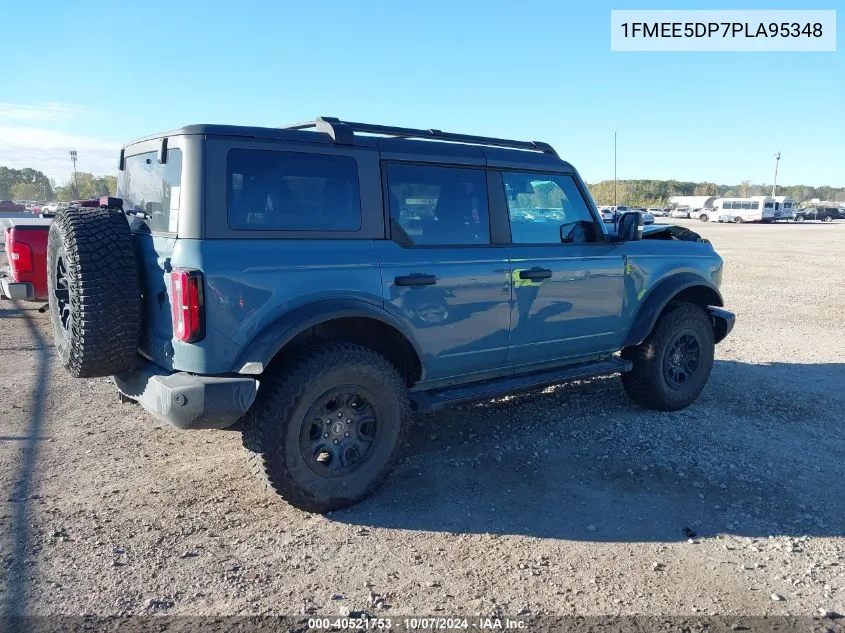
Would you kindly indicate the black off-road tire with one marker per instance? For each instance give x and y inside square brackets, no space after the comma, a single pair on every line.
[273,427]
[94,292]
[647,383]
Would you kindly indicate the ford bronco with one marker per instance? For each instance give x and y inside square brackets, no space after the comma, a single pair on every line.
[311,285]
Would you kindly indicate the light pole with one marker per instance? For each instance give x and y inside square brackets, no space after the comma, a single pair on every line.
[775,183]
[75,179]
[615,190]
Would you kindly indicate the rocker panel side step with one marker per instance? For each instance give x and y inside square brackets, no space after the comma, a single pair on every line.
[436,399]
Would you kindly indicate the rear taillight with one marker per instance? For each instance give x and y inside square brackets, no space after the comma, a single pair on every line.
[20,254]
[187,301]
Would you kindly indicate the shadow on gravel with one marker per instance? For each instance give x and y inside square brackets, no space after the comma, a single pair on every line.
[15,571]
[761,453]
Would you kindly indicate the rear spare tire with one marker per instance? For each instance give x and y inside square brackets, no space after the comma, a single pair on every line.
[94,292]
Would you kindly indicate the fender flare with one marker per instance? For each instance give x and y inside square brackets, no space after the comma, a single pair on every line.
[660,296]
[258,353]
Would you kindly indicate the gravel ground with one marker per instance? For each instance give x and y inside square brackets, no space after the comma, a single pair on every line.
[566,501]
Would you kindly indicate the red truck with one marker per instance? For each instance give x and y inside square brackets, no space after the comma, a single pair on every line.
[24,277]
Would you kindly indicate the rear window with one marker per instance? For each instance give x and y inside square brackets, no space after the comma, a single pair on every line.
[291,191]
[147,186]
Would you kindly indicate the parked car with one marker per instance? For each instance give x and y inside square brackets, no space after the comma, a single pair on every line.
[729,217]
[290,307]
[11,206]
[648,218]
[706,214]
[657,212]
[825,214]
[680,212]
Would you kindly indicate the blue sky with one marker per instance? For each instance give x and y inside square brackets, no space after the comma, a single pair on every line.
[91,75]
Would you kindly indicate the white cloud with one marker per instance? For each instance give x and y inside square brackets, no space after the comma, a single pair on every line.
[51,111]
[25,143]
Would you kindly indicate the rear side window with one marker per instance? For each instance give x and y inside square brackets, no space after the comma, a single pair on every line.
[146,186]
[443,206]
[292,191]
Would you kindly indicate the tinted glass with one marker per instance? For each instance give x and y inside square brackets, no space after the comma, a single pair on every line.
[755,205]
[146,186]
[746,205]
[290,191]
[439,205]
[540,204]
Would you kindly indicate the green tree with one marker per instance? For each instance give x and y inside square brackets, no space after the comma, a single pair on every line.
[26,191]
[706,189]
[10,177]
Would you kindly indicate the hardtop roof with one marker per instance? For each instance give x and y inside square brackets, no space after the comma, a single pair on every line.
[385,144]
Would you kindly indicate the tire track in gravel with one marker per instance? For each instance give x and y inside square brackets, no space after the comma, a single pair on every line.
[24,480]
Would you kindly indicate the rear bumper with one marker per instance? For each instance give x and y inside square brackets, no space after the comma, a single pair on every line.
[17,290]
[188,401]
[723,322]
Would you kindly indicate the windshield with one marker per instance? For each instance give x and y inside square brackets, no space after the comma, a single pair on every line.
[147,186]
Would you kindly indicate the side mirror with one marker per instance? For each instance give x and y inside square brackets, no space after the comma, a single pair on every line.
[577,232]
[629,227]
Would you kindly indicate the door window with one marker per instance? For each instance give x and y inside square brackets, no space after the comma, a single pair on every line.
[547,209]
[438,206]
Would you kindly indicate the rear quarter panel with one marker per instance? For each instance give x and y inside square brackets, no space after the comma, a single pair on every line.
[251,283]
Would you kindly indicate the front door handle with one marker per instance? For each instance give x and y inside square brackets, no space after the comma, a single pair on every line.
[535,273]
[415,280]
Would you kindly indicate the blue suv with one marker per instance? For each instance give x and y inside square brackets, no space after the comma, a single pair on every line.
[313,284]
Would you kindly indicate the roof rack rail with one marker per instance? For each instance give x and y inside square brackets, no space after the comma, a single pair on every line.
[343,133]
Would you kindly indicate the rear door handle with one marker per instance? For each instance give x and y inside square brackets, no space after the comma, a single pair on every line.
[535,273]
[415,280]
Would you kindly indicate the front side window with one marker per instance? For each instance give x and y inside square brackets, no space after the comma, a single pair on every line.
[147,187]
[444,206]
[271,190]
[547,209]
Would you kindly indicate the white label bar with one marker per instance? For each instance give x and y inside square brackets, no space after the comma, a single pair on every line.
[723,30]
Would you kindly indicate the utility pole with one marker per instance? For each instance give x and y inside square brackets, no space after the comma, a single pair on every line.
[75,179]
[615,189]
[775,183]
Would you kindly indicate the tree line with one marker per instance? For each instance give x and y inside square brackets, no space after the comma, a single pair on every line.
[656,193]
[31,184]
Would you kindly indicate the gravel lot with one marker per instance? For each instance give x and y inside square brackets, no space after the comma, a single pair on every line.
[569,500]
